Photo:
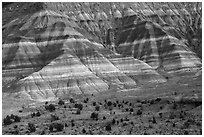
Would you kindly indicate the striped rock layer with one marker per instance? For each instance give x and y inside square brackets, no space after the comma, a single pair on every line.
[157,47]
[45,57]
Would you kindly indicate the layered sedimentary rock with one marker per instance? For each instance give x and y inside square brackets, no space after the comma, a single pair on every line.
[46,57]
[152,44]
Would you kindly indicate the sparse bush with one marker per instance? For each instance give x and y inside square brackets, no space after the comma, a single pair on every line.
[10,119]
[79,106]
[114,104]
[109,103]
[54,117]
[56,127]
[71,100]
[72,123]
[113,122]
[160,115]
[108,127]
[31,127]
[186,132]
[94,115]
[51,128]
[175,106]
[94,103]
[7,121]
[17,119]
[97,108]
[78,111]
[33,114]
[171,116]
[38,114]
[59,126]
[50,107]
[61,102]
[139,112]
[157,99]
[83,131]
[154,120]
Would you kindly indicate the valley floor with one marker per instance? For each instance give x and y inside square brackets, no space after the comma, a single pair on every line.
[174,107]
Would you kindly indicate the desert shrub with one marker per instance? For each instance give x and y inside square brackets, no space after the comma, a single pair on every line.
[85,101]
[160,115]
[83,131]
[56,127]
[113,121]
[14,118]
[78,111]
[33,114]
[94,103]
[109,103]
[71,100]
[7,121]
[50,107]
[54,117]
[10,119]
[97,108]
[79,106]
[59,126]
[186,132]
[46,103]
[51,128]
[61,102]
[139,112]
[154,120]
[72,123]
[94,115]
[114,104]
[174,106]
[108,127]
[38,114]
[171,116]
[174,125]
[31,127]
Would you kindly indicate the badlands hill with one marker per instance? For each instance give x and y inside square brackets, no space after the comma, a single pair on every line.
[48,52]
